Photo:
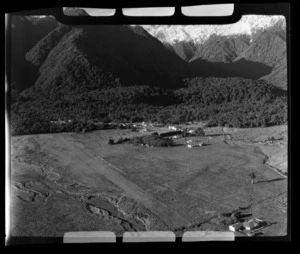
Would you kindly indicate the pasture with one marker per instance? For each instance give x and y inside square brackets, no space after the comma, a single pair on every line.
[124,187]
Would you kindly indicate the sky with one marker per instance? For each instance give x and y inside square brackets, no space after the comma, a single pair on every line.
[205,10]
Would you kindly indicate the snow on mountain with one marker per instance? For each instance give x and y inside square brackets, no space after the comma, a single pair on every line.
[198,34]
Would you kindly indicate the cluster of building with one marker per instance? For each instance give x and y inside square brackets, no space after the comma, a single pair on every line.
[248,227]
[192,143]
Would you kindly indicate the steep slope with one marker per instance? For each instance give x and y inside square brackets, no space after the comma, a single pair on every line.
[254,47]
[77,55]
[222,48]
[269,48]
[185,49]
[39,53]
[26,31]
[261,55]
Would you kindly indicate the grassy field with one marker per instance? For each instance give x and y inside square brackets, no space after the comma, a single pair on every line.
[70,182]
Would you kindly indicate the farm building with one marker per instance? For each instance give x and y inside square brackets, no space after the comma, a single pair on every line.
[235,227]
[172,128]
[137,125]
[144,130]
[177,136]
[194,132]
[122,126]
[251,224]
[196,145]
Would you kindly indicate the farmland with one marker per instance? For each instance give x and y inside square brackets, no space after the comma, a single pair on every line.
[75,182]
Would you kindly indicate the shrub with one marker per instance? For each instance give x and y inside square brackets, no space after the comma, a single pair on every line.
[152,140]
[199,132]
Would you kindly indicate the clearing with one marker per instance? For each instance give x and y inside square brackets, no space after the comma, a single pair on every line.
[75,182]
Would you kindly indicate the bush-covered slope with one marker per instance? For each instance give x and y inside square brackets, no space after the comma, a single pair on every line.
[233,101]
[222,48]
[26,32]
[269,48]
[236,102]
[128,53]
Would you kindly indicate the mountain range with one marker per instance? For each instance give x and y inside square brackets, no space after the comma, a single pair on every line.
[258,39]
[158,55]
[123,73]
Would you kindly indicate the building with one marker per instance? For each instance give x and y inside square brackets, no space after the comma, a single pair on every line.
[235,227]
[197,145]
[251,224]
[172,128]
[122,126]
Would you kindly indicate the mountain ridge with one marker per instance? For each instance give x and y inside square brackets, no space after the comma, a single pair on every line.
[134,56]
[122,73]
[130,54]
[249,25]
[26,32]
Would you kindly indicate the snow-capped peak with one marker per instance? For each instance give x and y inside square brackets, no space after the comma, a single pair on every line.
[248,25]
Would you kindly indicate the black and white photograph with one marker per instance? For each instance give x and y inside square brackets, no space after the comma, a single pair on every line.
[136,128]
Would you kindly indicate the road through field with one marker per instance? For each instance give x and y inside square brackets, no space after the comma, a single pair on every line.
[75,155]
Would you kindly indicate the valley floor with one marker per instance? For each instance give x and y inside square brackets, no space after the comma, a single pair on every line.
[77,182]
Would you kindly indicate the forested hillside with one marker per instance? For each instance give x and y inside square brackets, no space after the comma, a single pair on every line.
[110,73]
[26,32]
[75,55]
[234,102]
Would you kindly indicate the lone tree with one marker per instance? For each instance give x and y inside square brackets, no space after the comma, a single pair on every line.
[199,132]
[252,176]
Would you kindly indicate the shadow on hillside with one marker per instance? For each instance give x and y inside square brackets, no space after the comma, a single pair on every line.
[178,144]
[273,180]
[241,68]
[259,233]
[272,223]
[243,216]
